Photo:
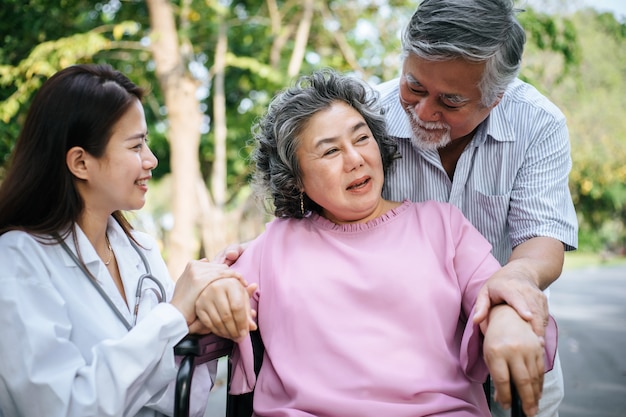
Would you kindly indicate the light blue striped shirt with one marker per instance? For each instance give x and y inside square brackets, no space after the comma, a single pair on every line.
[511,181]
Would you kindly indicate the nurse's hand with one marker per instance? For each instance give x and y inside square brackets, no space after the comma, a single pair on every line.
[512,351]
[223,307]
[195,278]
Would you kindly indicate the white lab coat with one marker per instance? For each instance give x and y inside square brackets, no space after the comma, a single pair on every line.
[64,352]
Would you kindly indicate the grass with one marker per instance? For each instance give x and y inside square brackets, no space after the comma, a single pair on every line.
[577,260]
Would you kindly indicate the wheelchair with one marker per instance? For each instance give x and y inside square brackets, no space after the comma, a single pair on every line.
[196,350]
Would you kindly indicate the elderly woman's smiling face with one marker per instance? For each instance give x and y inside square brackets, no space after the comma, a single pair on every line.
[341,165]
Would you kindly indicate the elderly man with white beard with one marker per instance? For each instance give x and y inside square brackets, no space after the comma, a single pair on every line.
[474,135]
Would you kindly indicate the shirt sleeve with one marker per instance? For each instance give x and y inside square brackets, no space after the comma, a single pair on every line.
[243,378]
[474,264]
[541,203]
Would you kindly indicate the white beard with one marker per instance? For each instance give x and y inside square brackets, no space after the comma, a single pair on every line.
[428,135]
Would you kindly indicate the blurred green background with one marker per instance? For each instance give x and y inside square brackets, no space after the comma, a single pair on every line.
[237,54]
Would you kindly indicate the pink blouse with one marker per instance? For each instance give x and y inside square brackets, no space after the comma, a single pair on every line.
[368,319]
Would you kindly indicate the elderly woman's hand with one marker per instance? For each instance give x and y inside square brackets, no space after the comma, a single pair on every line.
[194,279]
[223,308]
[513,351]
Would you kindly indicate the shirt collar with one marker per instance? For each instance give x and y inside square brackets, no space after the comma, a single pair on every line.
[121,244]
[497,124]
[87,252]
[390,101]
[117,238]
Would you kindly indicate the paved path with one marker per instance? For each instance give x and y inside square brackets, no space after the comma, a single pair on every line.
[590,308]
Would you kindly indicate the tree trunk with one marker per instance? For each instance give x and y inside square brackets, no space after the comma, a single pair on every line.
[302,39]
[214,226]
[218,175]
[184,117]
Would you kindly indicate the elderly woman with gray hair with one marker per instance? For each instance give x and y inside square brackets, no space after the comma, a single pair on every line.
[364,305]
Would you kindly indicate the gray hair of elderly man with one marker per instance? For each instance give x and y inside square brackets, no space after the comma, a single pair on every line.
[277,177]
[474,30]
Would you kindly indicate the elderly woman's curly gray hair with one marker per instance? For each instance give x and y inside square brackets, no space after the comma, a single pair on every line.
[276,135]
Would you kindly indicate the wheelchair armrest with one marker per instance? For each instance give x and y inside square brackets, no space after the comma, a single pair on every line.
[204,348]
[195,350]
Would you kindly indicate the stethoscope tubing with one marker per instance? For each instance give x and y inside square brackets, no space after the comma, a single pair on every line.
[105,296]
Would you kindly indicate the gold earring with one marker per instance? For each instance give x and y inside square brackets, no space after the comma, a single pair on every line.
[302,203]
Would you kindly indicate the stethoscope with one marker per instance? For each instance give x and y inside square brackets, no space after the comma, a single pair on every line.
[148,275]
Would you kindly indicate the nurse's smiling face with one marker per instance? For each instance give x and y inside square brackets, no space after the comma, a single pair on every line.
[127,164]
[341,165]
[118,180]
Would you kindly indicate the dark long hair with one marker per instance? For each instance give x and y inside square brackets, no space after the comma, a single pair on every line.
[77,106]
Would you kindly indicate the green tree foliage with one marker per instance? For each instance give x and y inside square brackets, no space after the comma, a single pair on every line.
[261,38]
[578,61]
[22,26]
[39,37]
[593,100]
[552,36]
